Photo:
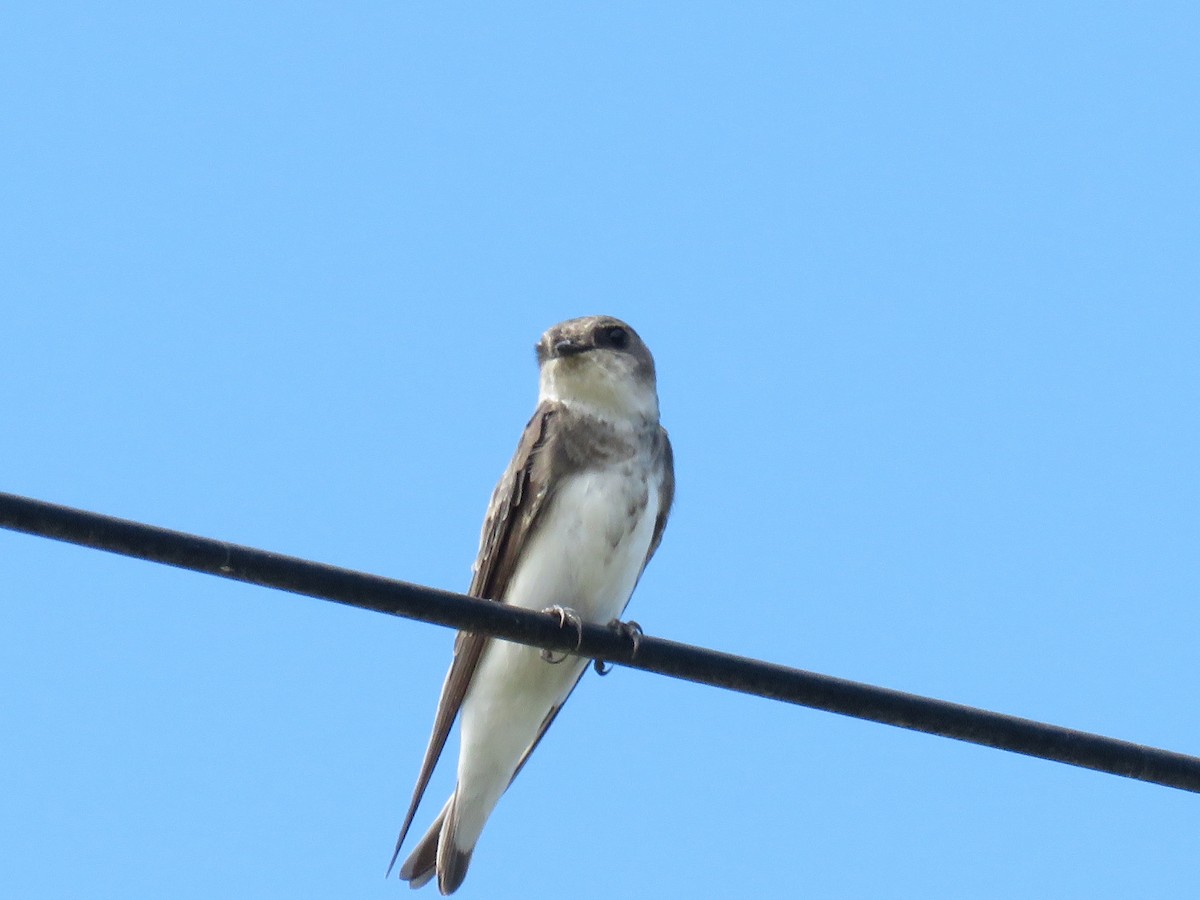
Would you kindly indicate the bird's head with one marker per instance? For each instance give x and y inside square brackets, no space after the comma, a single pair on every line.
[598,362]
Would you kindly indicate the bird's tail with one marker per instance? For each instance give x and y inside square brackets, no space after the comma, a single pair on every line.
[438,853]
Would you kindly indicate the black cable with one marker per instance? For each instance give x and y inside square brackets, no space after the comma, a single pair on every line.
[696,664]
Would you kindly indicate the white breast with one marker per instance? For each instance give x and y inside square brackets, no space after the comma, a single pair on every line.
[590,546]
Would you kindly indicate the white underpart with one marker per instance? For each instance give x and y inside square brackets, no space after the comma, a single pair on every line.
[571,562]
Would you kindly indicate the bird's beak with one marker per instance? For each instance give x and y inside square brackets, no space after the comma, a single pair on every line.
[567,347]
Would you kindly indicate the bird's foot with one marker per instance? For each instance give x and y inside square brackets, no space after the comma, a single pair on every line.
[632,631]
[565,615]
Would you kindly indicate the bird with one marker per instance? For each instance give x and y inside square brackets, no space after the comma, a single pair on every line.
[571,525]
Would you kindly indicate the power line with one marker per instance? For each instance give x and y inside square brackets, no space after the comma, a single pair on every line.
[749,676]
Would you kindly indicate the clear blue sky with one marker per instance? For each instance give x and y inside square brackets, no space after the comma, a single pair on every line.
[923,284]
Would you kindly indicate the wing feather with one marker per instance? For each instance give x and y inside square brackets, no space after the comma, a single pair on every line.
[516,504]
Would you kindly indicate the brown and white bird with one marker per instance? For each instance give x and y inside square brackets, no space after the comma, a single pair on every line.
[572,523]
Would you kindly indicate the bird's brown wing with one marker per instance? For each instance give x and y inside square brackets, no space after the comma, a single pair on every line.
[517,503]
[666,493]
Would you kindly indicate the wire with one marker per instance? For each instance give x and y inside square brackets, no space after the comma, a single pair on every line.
[665,657]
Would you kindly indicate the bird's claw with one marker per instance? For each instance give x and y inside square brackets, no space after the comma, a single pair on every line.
[565,615]
[632,631]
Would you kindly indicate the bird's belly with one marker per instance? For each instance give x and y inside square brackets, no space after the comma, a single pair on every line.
[586,554]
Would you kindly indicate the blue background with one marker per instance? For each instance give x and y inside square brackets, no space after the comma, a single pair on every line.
[921,281]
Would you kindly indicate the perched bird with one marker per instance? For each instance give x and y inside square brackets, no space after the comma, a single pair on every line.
[571,525]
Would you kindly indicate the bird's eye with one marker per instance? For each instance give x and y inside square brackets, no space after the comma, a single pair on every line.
[616,337]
